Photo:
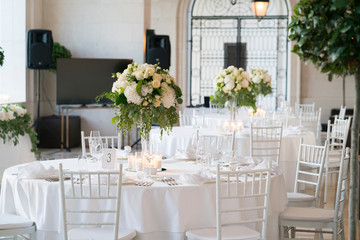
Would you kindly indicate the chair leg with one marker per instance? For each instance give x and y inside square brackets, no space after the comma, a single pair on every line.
[281,232]
[326,183]
[342,229]
[292,232]
[33,236]
[335,233]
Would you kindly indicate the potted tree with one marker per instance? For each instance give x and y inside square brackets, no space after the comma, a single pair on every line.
[327,33]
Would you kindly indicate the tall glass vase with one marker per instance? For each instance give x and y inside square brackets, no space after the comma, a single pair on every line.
[233,108]
[145,144]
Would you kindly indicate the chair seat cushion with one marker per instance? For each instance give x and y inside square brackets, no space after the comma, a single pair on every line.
[233,232]
[11,221]
[95,233]
[308,214]
[295,197]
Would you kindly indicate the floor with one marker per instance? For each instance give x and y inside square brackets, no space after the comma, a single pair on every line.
[52,154]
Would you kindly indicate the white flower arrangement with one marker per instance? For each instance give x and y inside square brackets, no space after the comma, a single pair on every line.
[238,86]
[144,94]
[15,121]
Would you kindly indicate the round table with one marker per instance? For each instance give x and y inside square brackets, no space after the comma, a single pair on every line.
[11,155]
[156,212]
[181,138]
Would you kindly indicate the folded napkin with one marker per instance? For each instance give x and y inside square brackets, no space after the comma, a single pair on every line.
[123,153]
[197,177]
[37,170]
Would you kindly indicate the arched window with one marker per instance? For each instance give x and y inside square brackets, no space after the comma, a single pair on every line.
[223,34]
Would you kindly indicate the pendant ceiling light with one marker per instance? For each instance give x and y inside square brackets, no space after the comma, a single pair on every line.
[233,2]
[259,8]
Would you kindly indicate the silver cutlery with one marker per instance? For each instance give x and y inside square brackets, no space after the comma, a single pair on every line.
[144,183]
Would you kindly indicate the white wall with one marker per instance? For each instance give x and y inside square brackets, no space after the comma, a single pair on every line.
[315,87]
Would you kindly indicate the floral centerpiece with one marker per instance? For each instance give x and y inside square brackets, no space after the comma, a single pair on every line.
[236,88]
[15,121]
[144,94]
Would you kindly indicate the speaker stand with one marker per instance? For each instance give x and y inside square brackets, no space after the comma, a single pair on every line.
[38,122]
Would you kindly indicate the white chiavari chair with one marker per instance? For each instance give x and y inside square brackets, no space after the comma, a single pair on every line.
[16,225]
[185,119]
[311,121]
[265,142]
[111,141]
[337,134]
[309,170]
[304,108]
[250,186]
[91,205]
[313,219]
[215,107]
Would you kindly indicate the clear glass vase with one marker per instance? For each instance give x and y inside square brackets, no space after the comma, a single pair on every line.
[233,108]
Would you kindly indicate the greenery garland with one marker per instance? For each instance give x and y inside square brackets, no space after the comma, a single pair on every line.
[15,121]
[2,56]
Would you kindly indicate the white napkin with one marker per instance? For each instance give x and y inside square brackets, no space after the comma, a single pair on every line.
[196,177]
[292,130]
[37,170]
[123,153]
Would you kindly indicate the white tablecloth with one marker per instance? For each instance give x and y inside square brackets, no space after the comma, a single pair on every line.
[11,155]
[157,212]
[181,139]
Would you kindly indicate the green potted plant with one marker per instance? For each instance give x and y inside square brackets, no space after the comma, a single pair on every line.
[327,33]
[59,51]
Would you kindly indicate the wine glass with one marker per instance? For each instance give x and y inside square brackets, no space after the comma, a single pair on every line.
[96,146]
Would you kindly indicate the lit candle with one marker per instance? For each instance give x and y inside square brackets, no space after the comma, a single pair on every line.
[157,160]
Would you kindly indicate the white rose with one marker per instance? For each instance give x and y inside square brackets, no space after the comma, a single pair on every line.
[245,75]
[155,83]
[145,103]
[229,82]
[149,72]
[267,78]
[244,83]
[168,79]
[118,74]
[157,77]
[256,79]
[138,75]
[157,103]
[220,79]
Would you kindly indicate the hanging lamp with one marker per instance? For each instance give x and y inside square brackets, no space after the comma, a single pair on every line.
[259,8]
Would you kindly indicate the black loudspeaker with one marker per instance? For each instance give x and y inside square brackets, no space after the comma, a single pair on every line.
[39,49]
[158,50]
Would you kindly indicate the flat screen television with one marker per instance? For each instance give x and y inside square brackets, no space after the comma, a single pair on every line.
[80,80]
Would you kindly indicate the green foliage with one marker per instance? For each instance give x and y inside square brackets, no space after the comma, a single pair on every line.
[2,56]
[327,33]
[58,51]
[19,123]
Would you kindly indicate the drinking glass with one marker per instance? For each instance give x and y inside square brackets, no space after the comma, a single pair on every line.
[96,146]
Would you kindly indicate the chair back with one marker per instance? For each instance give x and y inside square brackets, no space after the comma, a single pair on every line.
[111,141]
[87,195]
[304,108]
[342,112]
[250,186]
[342,186]
[311,121]
[310,166]
[265,142]
[214,145]
[337,134]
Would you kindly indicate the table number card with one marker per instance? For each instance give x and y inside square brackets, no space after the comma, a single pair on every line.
[109,158]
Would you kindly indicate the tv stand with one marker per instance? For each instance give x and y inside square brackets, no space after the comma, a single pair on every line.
[65,112]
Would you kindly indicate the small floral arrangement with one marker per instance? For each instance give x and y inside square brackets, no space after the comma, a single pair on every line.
[240,87]
[144,94]
[15,121]
[262,81]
